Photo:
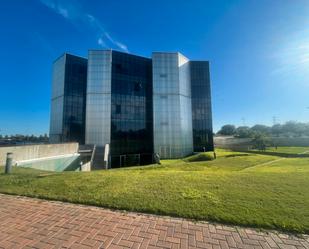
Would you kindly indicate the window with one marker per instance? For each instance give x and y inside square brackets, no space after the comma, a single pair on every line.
[137,86]
[118,109]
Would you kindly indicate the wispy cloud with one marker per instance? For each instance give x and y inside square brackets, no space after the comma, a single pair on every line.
[293,56]
[57,7]
[75,14]
[118,44]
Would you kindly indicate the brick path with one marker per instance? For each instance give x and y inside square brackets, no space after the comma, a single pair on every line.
[33,223]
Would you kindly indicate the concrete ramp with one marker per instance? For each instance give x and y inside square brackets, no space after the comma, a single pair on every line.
[36,151]
[70,162]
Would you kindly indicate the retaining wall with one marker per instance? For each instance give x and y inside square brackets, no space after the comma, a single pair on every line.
[27,152]
[234,143]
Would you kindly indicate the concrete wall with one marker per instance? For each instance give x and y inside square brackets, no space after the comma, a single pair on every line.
[229,142]
[26,152]
[291,141]
[86,167]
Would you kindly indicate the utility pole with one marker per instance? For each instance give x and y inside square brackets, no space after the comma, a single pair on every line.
[274,120]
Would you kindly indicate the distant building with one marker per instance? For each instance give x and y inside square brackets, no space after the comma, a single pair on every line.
[137,105]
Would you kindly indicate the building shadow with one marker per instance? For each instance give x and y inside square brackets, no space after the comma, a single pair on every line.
[279,154]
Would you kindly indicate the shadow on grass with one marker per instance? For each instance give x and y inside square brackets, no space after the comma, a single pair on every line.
[237,155]
[279,154]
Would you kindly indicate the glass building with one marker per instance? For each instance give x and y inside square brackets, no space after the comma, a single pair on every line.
[139,106]
[172,110]
[201,106]
[68,100]
[119,106]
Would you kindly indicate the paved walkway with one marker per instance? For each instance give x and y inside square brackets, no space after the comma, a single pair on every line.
[33,223]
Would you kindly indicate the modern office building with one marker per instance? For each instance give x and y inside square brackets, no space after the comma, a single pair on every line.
[201,106]
[138,106]
[68,99]
[119,106]
[172,110]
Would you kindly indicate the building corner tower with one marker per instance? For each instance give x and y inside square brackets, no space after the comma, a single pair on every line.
[68,99]
[201,106]
[172,111]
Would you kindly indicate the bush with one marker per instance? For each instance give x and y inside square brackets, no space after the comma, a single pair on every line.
[243,132]
[227,130]
[261,141]
[204,156]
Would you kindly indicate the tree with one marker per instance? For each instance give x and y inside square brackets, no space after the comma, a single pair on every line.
[276,130]
[294,128]
[227,130]
[243,132]
[258,128]
[290,128]
[261,141]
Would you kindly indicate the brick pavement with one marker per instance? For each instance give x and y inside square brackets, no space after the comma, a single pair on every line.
[33,223]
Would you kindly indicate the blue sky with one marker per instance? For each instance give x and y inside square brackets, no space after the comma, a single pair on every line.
[258,50]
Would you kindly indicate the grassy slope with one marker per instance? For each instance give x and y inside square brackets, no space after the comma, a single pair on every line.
[232,189]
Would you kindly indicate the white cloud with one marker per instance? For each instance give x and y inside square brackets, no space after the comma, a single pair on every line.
[63,12]
[74,13]
[294,58]
[122,46]
[57,7]
[101,42]
[117,43]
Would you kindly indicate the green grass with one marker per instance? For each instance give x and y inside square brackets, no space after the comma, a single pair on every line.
[290,150]
[207,156]
[236,188]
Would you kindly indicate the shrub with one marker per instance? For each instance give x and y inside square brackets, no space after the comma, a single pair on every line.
[204,156]
[261,141]
[227,130]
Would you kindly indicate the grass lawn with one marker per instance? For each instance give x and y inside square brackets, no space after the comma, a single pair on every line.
[236,188]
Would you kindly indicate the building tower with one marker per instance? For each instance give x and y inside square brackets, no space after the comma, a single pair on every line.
[201,106]
[119,106]
[68,100]
[172,111]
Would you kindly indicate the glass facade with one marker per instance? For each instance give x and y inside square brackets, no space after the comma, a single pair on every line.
[172,111]
[137,105]
[68,99]
[57,96]
[98,107]
[201,106]
[119,106]
[131,110]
